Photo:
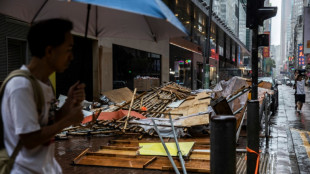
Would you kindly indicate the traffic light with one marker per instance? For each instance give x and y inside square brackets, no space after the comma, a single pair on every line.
[263,40]
[257,13]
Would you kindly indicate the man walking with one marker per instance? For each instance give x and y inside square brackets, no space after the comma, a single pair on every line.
[50,43]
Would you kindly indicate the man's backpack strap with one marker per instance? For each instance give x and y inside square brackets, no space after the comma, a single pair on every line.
[37,90]
[38,97]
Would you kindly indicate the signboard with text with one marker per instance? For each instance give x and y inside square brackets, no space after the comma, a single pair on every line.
[301,57]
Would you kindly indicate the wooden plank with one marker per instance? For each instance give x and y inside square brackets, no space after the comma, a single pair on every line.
[161,163]
[122,153]
[149,162]
[189,169]
[205,157]
[80,155]
[117,152]
[120,148]
[135,142]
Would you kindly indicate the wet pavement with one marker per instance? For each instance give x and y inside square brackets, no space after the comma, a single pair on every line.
[286,150]
[286,140]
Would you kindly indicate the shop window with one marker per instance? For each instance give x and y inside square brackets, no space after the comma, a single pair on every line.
[129,63]
[233,52]
[228,47]
[180,70]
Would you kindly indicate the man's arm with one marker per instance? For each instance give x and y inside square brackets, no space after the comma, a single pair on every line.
[72,116]
[69,114]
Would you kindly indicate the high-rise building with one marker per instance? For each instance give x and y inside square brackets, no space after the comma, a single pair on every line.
[285,16]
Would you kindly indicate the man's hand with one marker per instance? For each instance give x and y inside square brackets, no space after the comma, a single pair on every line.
[76,93]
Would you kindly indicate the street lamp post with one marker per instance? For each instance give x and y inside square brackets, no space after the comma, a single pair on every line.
[256,14]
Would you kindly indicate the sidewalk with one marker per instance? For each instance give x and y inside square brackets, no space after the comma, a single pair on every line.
[289,136]
[283,152]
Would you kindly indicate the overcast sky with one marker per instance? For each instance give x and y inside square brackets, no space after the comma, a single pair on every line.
[276,23]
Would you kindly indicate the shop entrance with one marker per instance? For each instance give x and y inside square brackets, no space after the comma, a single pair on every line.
[81,68]
[180,66]
[199,67]
[129,63]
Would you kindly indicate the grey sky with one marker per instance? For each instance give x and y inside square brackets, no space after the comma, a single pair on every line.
[276,23]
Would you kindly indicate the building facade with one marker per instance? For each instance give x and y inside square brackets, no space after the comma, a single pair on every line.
[114,61]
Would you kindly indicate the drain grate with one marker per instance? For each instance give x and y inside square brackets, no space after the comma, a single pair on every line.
[266,163]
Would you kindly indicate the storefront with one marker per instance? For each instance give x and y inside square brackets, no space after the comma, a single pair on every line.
[180,66]
[130,63]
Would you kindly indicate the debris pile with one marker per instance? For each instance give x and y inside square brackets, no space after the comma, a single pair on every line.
[130,113]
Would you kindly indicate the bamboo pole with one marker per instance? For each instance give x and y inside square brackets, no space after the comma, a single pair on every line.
[132,99]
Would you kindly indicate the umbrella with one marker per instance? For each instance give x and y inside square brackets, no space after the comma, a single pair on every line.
[134,19]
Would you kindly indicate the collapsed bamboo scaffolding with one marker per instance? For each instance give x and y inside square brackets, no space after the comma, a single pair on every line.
[155,102]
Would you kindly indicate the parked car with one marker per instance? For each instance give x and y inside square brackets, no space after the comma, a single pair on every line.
[293,82]
[279,82]
[289,83]
[268,79]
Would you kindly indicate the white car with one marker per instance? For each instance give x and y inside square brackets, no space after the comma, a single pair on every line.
[288,83]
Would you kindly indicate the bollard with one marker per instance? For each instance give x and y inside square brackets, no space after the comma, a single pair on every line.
[252,135]
[223,144]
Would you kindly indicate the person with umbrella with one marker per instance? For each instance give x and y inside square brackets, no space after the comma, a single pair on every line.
[51,49]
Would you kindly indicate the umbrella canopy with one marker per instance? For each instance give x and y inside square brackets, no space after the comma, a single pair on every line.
[135,19]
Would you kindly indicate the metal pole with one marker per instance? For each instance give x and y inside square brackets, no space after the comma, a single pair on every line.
[206,55]
[223,144]
[254,64]
[166,149]
[87,20]
[178,147]
[252,135]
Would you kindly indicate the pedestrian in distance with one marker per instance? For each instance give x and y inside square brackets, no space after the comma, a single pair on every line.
[300,91]
[294,87]
[50,43]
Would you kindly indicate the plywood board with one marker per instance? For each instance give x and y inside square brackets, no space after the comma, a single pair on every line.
[189,107]
[157,149]
[119,95]
[193,121]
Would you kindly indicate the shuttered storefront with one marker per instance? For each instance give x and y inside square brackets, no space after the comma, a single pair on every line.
[13,45]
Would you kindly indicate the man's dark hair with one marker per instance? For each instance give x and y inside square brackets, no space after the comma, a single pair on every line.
[45,33]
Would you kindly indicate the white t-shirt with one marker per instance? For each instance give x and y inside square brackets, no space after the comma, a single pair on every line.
[20,116]
[300,87]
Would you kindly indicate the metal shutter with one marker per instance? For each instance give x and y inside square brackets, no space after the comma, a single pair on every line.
[13,32]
